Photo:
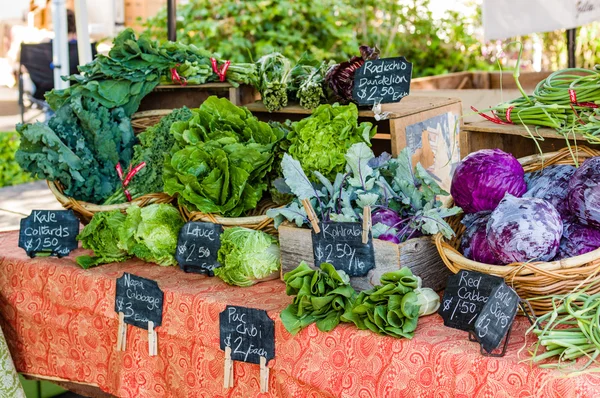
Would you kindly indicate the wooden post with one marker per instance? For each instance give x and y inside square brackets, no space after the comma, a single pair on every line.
[122,333]
[366,227]
[264,375]
[312,216]
[228,373]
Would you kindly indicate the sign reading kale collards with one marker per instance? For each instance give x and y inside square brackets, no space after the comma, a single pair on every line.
[140,299]
[496,317]
[198,246]
[249,332]
[49,231]
[464,298]
[340,244]
[382,81]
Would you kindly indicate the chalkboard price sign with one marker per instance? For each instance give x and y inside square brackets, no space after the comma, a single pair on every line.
[197,247]
[464,298]
[382,81]
[340,244]
[49,231]
[496,317]
[140,299]
[249,332]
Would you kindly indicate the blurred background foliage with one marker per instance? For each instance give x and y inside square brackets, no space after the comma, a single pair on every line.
[243,30]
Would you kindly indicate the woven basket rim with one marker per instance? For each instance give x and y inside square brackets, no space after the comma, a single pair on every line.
[63,199]
[151,113]
[453,258]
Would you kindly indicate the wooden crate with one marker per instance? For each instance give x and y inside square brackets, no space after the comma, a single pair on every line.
[418,254]
[426,125]
[142,9]
[478,80]
[510,138]
[176,96]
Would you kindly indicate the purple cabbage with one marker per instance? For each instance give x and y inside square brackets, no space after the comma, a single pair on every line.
[524,229]
[584,193]
[577,239]
[483,178]
[552,185]
[474,244]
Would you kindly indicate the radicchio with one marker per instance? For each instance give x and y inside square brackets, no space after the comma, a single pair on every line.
[340,77]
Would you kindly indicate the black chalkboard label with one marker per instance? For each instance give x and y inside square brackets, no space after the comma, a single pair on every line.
[197,247]
[140,299]
[49,231]
[249,332]
[340,244]
[464,298]
[496,317]
[382,81]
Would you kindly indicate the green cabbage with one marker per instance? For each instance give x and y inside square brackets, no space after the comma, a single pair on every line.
[320,142]
[247,256]
[100,235]
[150,233]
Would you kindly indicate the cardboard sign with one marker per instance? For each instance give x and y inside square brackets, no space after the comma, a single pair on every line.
[49,231]
[340,244]
[382,81]
[496,317]
[249,332]
[197,247]
[464,298]
[140,299]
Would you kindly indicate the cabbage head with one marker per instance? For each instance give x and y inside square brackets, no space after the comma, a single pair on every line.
[551,184]
[483,178]
[246,256]
[524,229]
[577,239]
[150,233]
[584,193]
[100,235]
[474,244]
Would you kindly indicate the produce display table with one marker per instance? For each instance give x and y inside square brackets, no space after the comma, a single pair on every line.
[60,323]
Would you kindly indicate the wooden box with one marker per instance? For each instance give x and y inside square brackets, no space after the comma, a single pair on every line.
[176,96]
[510,138]
[142,9]
[418,254]
[427,125]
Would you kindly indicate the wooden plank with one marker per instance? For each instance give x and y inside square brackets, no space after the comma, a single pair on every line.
[419,254]
[221,85]
[446,81]
[513,129]
[410,105]
[528,80]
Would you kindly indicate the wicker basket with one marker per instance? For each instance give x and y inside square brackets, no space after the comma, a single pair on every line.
[140,121]
[535,280]
[256,219]
[85,210]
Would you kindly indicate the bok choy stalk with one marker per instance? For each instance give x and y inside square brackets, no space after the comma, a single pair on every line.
[274,73]
[393,308]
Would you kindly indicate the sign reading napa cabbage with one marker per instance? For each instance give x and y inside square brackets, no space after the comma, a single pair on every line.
[49,231]
[140,300]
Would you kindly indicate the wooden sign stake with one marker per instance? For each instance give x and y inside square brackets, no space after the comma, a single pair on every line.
[366,224]
[152,340]
[312,216]
[122,333]
[228,376]
[264,375]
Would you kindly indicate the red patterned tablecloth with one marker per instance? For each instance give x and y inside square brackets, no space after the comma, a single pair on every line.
[59,321]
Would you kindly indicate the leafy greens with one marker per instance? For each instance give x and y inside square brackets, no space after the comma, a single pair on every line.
[100,235]
[247,256]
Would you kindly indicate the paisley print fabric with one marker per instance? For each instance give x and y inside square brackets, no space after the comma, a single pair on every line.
[59,321]
[10,386]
